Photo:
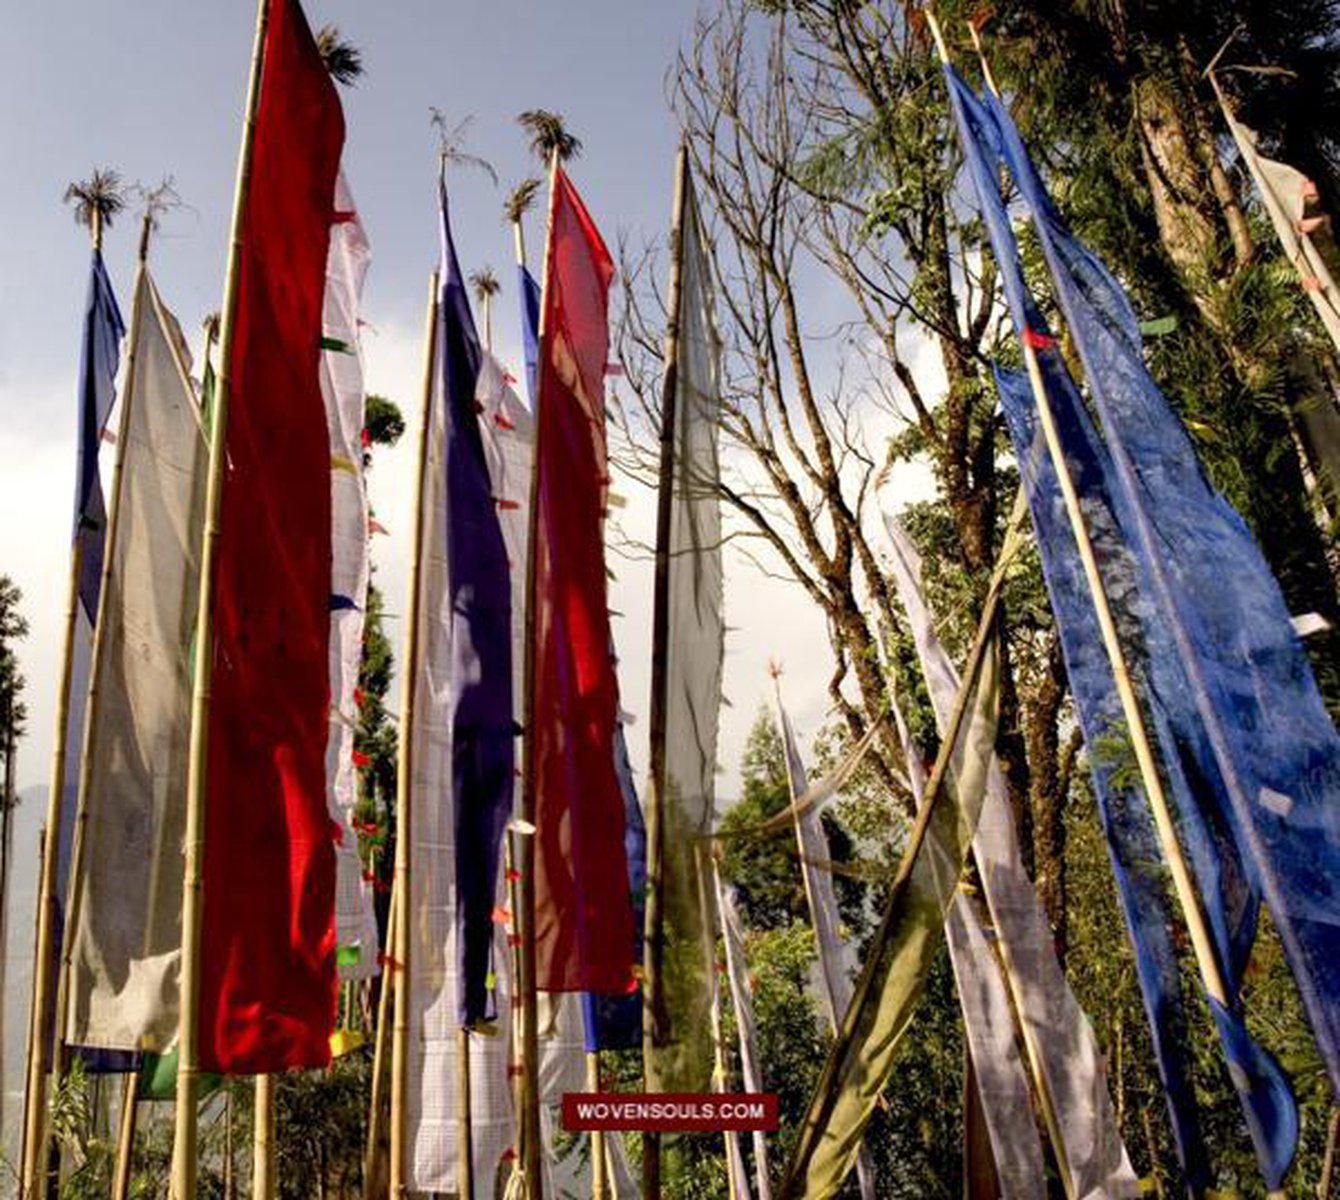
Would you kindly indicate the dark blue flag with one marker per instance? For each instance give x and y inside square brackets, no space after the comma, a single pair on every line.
[1238,662]
[1228,896]
[480,702]
[530,327]
[99,359]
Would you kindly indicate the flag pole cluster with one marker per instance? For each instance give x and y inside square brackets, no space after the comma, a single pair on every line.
[208,700]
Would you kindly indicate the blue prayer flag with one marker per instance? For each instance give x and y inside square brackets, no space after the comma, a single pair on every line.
[1229,894]
[1238,662]
[479,703]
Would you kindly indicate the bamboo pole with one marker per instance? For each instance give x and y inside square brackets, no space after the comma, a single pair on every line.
[398,965]
[93,704]
[465,1183]
[125,1140]
[264,1178]
[33,1154]
[720,1080]
[372,1152]
[33,1023]
[1183,883]
[653,1001]
[813,1124]
[599,1173]
[184,1150]
[530,1136]
[7,849]
[229,1187]
[510,858]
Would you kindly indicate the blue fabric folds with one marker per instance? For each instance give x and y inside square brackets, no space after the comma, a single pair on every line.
[98,361]
[530,327]
[482,724]
[1132,565]
[1245,671]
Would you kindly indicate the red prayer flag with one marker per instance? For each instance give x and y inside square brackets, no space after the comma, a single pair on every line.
[584,916]
[268,981]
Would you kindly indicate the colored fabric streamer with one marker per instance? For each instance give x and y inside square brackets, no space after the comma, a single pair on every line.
[835,958]
[1228,894]
[462,754]
[1064,1056]
[678,1054]
[99,356]
[345,399]
[125,952]
[584,922]
[268,981]
[480,726]
[742,1003]
[1242,710]
[908,938]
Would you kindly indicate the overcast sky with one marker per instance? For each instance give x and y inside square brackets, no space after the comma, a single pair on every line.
[155,87]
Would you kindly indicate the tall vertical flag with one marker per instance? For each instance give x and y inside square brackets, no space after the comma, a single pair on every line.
[1059,1042]
[1227,892]
[742,1002]
[464,732]
[612,1022]
[343,391]
[908,937]
[267,963]
[688,644]
[584,924]
[99,360]
[463,757]
[835,959]
[125,939]
[1238,662]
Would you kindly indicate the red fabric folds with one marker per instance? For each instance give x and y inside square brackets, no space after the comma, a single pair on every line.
[584,917]
[268,981]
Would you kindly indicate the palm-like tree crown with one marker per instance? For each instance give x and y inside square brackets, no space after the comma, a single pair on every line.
[343,59]
[98,199]
[548,133]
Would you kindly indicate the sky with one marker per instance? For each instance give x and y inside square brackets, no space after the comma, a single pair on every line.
[155,88]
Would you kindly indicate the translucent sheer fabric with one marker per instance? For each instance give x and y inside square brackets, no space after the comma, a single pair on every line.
[1238,661]
[342,387]
[1227,894]
[126,938]
[742,1003]
[908,938]
[681,1051]
[835,953]
[1062,1052]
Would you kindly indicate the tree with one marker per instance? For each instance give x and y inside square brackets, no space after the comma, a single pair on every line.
[343,59]
[97,201]
[549,134]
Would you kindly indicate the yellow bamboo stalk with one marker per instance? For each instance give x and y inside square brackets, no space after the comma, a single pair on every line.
[653,918]
[125,1138]
[398,968]
[372,1153]
[35,1132]
[465,1183]
[264,1179]
[184,1149]
[599,1175]
[529,1116]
